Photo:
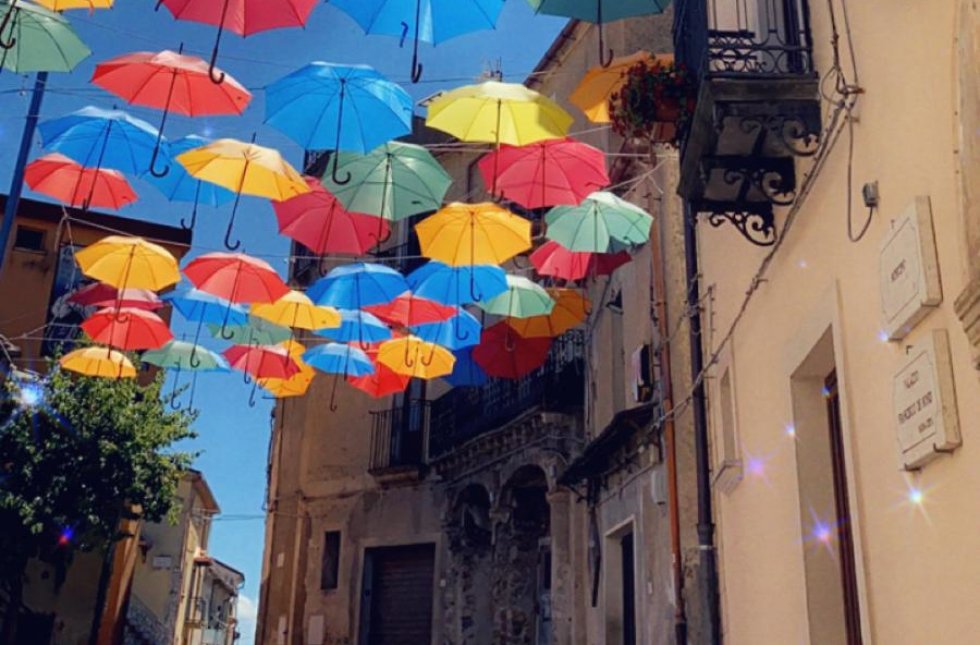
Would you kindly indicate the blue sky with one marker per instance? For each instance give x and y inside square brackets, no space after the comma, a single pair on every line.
[233,437]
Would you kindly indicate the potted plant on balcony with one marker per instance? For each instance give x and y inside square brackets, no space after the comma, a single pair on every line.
[655,103]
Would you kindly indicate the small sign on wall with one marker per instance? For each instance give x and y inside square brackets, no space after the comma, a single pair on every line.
[925,402]
[909,270]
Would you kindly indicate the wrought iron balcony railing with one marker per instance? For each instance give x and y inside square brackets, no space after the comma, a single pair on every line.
[399,437]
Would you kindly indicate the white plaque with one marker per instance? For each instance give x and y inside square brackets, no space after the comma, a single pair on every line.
[909,270]
[925,402]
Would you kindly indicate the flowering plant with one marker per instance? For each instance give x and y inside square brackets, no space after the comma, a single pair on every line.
[656,102]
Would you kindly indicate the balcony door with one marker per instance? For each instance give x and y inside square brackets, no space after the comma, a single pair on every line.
[407,433]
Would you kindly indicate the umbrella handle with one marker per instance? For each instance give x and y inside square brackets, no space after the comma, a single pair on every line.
[153,161]
[219,77]
[456,328]
[174,405]
[8,44]
[408,362]
[251,396]
[509,343]
[247,378]
[195,360]
[233,246]
[335,171]
[605,56]
[432,356]
[224,325]
[476,294]
[197,199]
[416,65]
[333,394]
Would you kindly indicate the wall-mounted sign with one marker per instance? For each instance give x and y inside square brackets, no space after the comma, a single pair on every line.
[909,270]
[925,402]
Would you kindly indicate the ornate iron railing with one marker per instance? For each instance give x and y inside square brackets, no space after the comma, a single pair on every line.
[399,436]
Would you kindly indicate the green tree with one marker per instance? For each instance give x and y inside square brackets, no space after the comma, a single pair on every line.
[78,455]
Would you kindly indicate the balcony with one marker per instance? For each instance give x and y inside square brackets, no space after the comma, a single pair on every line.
[758,108]
[399,439]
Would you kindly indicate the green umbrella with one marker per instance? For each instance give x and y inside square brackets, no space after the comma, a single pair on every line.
[180,355]
[523,299]
[33,39]
[256,332]
[602,223]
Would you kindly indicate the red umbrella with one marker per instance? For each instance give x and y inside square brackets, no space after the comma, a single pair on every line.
[236,277]
[262,361]
[547,173]
[171,82]
[504,354]
[408,310]
[100,294]
[382,382]
[127,328]
[71,183]
[553,259]
[319,221]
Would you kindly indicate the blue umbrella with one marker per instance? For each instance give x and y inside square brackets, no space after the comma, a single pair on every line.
[340,360]
[460,331]
[357,325]
[200,307]
[457,285]
[323,106]
[179,186]
[102,139]
[430,21]
[358,285]
[466,372]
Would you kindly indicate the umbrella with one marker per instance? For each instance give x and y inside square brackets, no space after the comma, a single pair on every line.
[570,310]
[408,310]
[200,307]
[324,106]
[102,139]
[261,361]
[603,223]
[600,12]
[462,330]
[296,385]
[255,331]
[411,356]
[357,326]
[465,234]
[98,294]
[245,168]
[62,5]
[243,17]
[129,262]
[457,285]
[429,21]
[296,310]
[466,373]
[546,173]
[505,354]
[593,93]
[321,223]
[553,259]
[179,186]
[38,40]
[522,299]
[70,183]
[179,355]
[171,82]
[358,285]
[236,277]
[98,361]
[383,382]
[340,360]
[127,328]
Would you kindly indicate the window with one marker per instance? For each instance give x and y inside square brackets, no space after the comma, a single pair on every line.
[729,470]
[29,239]
[331,561]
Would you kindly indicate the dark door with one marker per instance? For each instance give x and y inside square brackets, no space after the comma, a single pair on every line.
[397,597]
[629,590]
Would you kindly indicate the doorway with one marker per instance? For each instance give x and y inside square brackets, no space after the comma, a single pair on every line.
[397,595]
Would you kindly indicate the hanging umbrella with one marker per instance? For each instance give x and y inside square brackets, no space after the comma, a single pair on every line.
[343,361]
[171,82]
[593,93]
[570,310]
[296,385]
[255,331]
[127,328]
[324,106]
[462,330]
[357,326]
[98,361]
[465,234]
[63,5]
[98,294]
[182,356]
[247,169]
[546,173]
[553,259]
[522,299]
[466,372]
[200,307]
[296,310]
[179,186]
[407,310]
[603,223]
[261,361]
[358,285]
[411,356]
[70,183]
[236,277]
[34,39]
[129,262]
[243,17]
[321,223]
[503,353]
[457,285]
[600,12]
[98,138]
[383,382]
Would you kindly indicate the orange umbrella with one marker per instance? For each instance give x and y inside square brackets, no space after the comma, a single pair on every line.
[571,308]
[128,328]
[55,175]
[98,361]
[262,361]
[503,353]
[236,277]
[408,310]
[383,382]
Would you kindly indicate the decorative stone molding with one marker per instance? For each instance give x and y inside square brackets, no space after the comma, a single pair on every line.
[968,309]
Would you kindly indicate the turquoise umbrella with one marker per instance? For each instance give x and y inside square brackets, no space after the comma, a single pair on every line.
[255,332]
[33,39]
[340,360]
[523,299]
[180,355]
[602,223]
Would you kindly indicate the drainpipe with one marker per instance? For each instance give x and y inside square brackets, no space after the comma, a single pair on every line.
[706,528]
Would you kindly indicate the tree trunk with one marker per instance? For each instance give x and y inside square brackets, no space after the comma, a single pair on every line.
[8,629]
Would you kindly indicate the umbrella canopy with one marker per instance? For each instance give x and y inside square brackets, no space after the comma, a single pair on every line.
[186,356]
[465,234]
[127,328]
[321,223]
[394,181]
[462,330]
[179,186]
[129,262]
[255,331]
[296,385]
[466,372]
[411,356]
[236,277]
[553,259]
[503,353]
[38,40]
[593,93]
[494,112]
[570,310]
[546,173]
[338,358]
[603,223]
[71,183]
[261,361]
[523,299]
[296,310]
[358,285]
[383,382]
[357,326]
[457,285]
[98,294]
[98,361]
[102,139]
[408,309]
[62,5]
[200,306]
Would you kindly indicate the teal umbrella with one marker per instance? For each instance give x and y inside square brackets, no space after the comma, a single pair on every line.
[602,223]
[180,355]
[33,39]
[255,332]
[523,299]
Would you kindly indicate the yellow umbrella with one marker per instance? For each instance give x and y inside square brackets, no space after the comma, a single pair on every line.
[498,113]
[466,234]
[61,5]
[600,83]
[295,350]
[298,383]
[412,356]
[295,309]
[98,361]
[129,263]
[571,308]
